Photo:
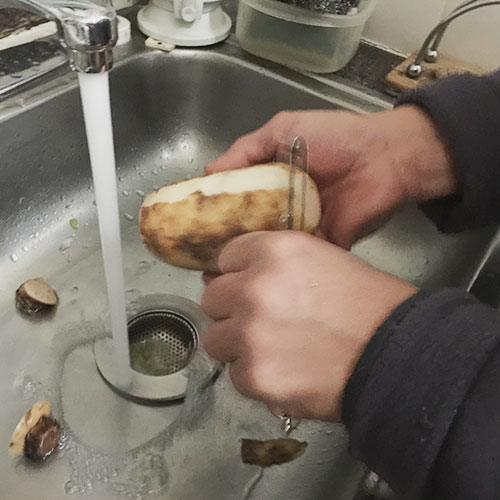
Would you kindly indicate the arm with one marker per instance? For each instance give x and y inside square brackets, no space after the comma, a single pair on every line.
[423,407]
[466,111]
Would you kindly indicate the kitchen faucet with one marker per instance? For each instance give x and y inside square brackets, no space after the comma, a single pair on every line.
[428,51]
[86,29]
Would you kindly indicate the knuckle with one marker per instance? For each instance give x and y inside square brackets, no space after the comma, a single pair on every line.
[255,293]
[282,117]
[280,243]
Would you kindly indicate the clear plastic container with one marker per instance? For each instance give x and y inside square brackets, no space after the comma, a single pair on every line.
[300,38]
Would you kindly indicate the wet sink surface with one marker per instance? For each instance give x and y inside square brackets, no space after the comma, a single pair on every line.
[172,114]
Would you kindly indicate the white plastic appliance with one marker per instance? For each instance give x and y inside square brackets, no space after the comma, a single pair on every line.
[189,23]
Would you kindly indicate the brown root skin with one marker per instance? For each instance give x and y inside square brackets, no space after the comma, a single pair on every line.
[26,424]
[272,452]
[42,439]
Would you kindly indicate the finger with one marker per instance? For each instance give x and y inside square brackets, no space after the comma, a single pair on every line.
[220,298]
[240,252]
[251,149]
[259,146]
[220,340]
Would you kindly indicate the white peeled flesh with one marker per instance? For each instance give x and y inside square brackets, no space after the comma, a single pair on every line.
[36,296]
[30,419]
[38,290]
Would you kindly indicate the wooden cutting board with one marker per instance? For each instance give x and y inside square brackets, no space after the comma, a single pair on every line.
[18,27]
[444,66]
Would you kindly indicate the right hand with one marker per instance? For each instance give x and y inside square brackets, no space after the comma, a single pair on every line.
[364,166]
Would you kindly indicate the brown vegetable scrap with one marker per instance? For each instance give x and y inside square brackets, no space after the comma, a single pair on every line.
[37,433]
[36,296]
[272,452]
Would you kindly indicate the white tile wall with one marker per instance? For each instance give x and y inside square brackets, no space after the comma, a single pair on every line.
[402,25]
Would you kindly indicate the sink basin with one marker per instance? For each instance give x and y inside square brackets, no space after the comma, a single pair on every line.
[172,114]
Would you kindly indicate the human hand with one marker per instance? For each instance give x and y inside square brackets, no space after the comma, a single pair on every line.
[364,166]
[292,315]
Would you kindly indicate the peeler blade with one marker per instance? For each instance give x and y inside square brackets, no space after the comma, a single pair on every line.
[299,159]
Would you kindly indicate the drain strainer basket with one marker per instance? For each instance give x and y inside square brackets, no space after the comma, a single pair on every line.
[163,339]
[161,342]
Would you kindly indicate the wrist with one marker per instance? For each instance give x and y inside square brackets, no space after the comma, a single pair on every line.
[422,161]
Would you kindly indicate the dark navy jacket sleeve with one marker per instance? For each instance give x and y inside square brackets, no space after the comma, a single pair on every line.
[466,110]
[423,404]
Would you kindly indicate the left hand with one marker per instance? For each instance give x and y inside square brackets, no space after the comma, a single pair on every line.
[292,315]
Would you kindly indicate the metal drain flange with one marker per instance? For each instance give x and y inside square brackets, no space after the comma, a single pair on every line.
[163,337]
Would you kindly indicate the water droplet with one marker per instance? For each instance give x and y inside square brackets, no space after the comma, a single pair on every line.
[426,260]
[155,172]
[75,289]
[163,167]
[190,160]
[314,284]
[35,235]
[284,218]
[144,267]
[120,179]
[65,244]
[125,193]
[25,248]
[132,294]
[329,432]
[128,216]
[13,257]
[20,201]
[141,174]
[73,223]
[136,167]
[140,193]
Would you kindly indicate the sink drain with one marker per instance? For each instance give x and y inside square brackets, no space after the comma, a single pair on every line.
[161,342]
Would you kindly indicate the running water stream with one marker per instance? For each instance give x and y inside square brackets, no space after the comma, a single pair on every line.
[94,89]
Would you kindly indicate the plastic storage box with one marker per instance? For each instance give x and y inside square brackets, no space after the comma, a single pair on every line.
[301,38]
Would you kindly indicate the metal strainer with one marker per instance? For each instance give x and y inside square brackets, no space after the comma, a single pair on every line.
[161,342]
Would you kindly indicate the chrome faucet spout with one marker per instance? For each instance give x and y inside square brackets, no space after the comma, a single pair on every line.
[86,29]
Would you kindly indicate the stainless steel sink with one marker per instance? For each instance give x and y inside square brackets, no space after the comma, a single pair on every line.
[172,114]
